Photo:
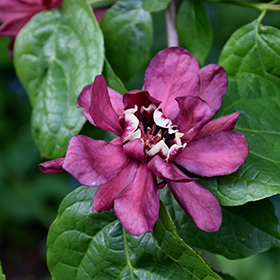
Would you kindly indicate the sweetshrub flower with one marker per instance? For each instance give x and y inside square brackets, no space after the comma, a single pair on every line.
[164,128]
[14,14]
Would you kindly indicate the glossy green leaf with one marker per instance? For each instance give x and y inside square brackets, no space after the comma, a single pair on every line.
[56,54]
[2,276]
[83,245]
[155,5]
[112,80]
[226,276]
[128,33]
[245,230]
[254,48]
[194,28]
[258,100]
[171,244]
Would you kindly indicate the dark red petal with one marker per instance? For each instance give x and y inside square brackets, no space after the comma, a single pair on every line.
[84,101]
[215,155]
[94,162]
[165,171]
[100,107]
[193,115]
[98,13]
[117,141]
[56,4]
[137,206]
[12,27]
[222,123]
[116,100]
[199,203]
[52,166]
[135,149]
[139,98]
[213,85]
[172,72]
[14,9]
[105,195]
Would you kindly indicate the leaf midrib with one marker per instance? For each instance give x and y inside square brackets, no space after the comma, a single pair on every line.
[127,253]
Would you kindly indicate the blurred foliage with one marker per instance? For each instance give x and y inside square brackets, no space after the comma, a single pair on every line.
[29,199]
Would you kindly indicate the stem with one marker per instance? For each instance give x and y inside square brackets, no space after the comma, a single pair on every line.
[170,18]
[261,16]
[259,6]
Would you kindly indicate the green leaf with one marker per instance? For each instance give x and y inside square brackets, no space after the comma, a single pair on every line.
[226,276]
[194,28]
[128,33]
[171,244]
[155,5]
[84,245]
[245,230]
[56,54]
[2,276]
[112,80]
[258,100]
[254,48]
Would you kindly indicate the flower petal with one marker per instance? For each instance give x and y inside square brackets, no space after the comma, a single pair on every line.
[12,27]
[137,206]
[116,100]
[213,85]
[105,195]
[129,123]
[139,98]
[52,166]
[172,72]
[199,203]
[135,149]
[215,155]
[193,115]
[222,123]
[94,162]
[165,171]
[96,102]
[84,101]
[161,120]
[160,148]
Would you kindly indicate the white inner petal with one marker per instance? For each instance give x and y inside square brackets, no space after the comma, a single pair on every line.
[131,124]
[136,134]
[159,147]
[151,107]
[161,120]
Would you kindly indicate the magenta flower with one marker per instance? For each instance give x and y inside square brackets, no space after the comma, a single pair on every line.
[162,129]
[14,14]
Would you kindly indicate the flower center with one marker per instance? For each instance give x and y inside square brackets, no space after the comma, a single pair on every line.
[158,133]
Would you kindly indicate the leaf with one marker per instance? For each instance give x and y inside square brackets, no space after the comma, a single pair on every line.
[226,276]
[170,243]
[2,276]
[194,28]
[155,5]
[258,100]
[254,48]
[112,79]
[245,230]
[128,33]
[56,54]
[83,245]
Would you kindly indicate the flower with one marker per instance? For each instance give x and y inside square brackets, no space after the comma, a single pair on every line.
[98,13]
[162,129]
[14,14]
